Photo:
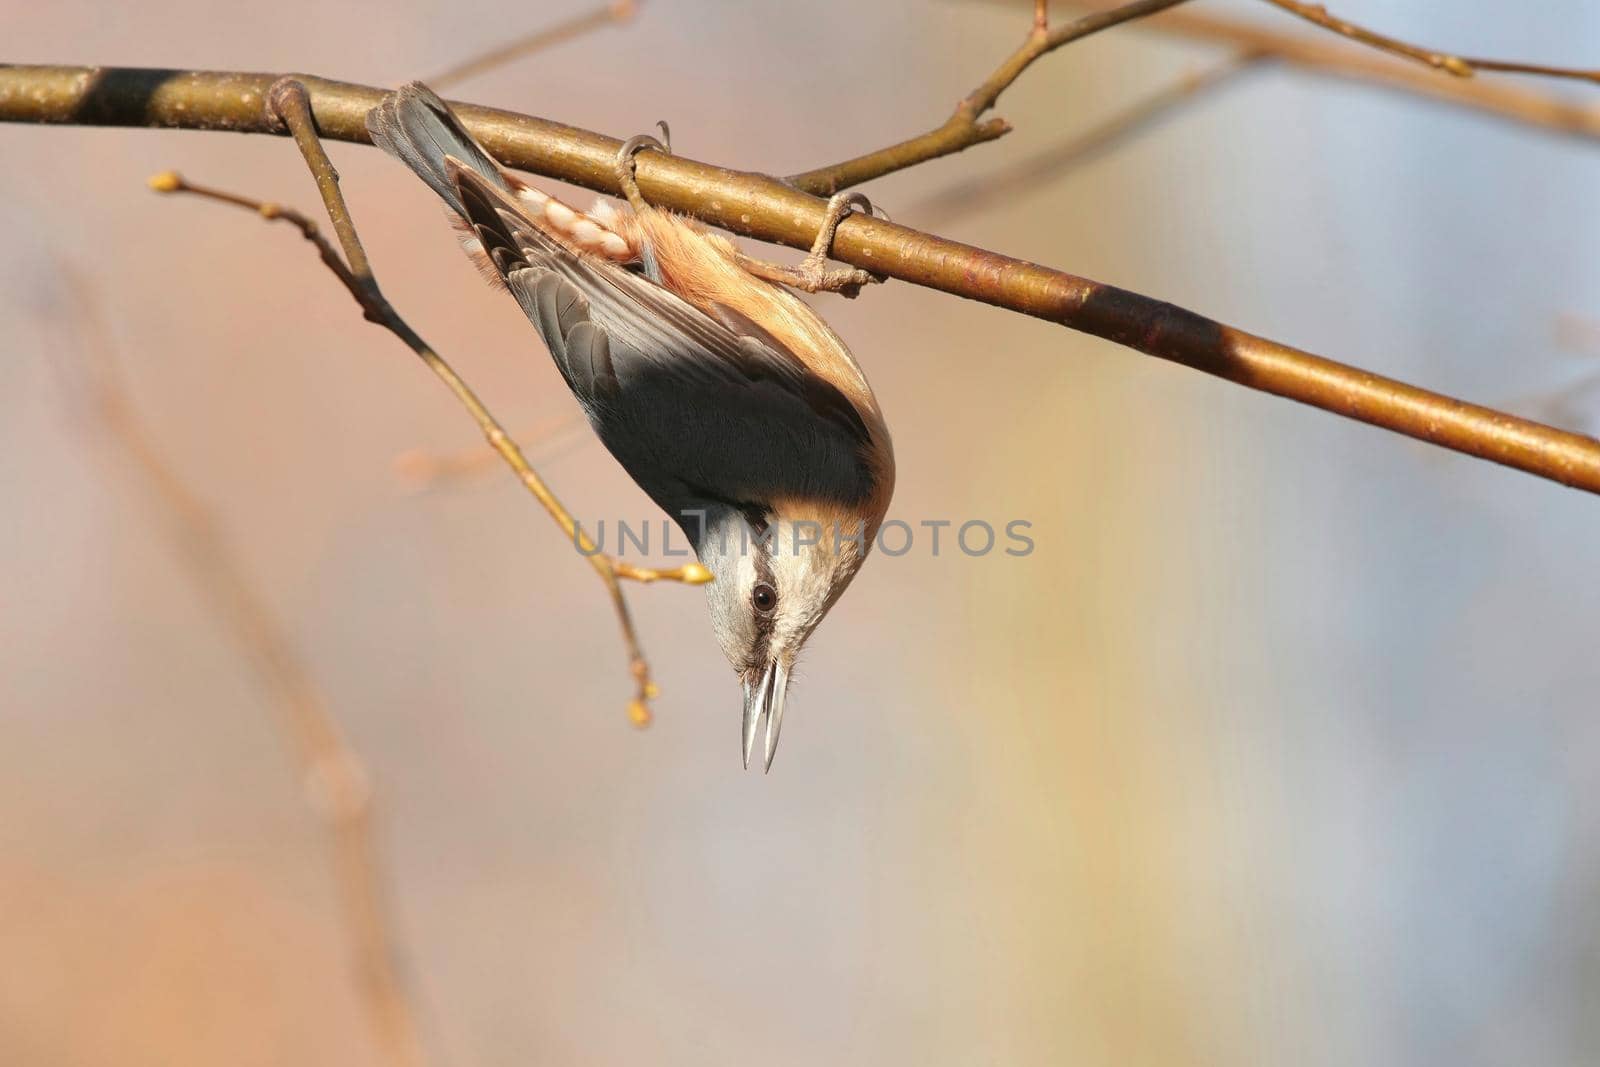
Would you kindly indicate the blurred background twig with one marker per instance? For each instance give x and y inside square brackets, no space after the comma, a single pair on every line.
[418,469]
[1318,15]
[1350,62]
[1034,172]
[615,13]
[334,780]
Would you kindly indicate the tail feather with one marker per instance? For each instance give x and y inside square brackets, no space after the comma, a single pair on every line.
[417,128]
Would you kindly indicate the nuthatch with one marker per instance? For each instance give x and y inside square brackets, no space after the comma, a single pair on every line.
[722,394]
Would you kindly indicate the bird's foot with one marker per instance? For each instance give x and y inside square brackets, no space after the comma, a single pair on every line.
[625,163]
[814,274]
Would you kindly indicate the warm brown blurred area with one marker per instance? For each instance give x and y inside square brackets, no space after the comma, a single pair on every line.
[1279,747]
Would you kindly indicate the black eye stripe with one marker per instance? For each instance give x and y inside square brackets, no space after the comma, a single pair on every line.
[755,516]
[761,560]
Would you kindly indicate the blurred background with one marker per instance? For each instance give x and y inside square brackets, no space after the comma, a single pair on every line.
[1280,746]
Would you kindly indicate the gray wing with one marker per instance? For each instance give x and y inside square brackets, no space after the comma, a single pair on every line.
[694,410]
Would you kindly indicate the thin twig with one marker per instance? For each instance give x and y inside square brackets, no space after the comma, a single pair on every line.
[966,126]
[1506,66]
[1320,54]
[765,208]
[292,104]
[1035,172]
[173,182]
[1460,66]
[334,779]
[1319,16]
[609,14]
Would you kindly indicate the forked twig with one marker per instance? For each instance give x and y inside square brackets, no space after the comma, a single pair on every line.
[289,102]
[334,779]
[966,126]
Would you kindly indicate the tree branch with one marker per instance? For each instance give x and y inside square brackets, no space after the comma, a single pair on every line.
[767,209]
[963,129]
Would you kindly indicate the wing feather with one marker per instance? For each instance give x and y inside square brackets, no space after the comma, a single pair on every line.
[691,405]
[653,324]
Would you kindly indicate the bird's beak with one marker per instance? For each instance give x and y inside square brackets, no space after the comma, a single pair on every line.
[764,700]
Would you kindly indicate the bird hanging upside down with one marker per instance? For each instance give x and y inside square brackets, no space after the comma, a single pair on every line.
[722,394]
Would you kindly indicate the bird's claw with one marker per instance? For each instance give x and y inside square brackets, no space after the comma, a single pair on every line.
[815,274]
[626,164]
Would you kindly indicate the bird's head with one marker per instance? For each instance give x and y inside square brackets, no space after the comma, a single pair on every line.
[777,570]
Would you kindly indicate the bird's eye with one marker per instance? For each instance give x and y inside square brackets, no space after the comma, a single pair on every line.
[764,598]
